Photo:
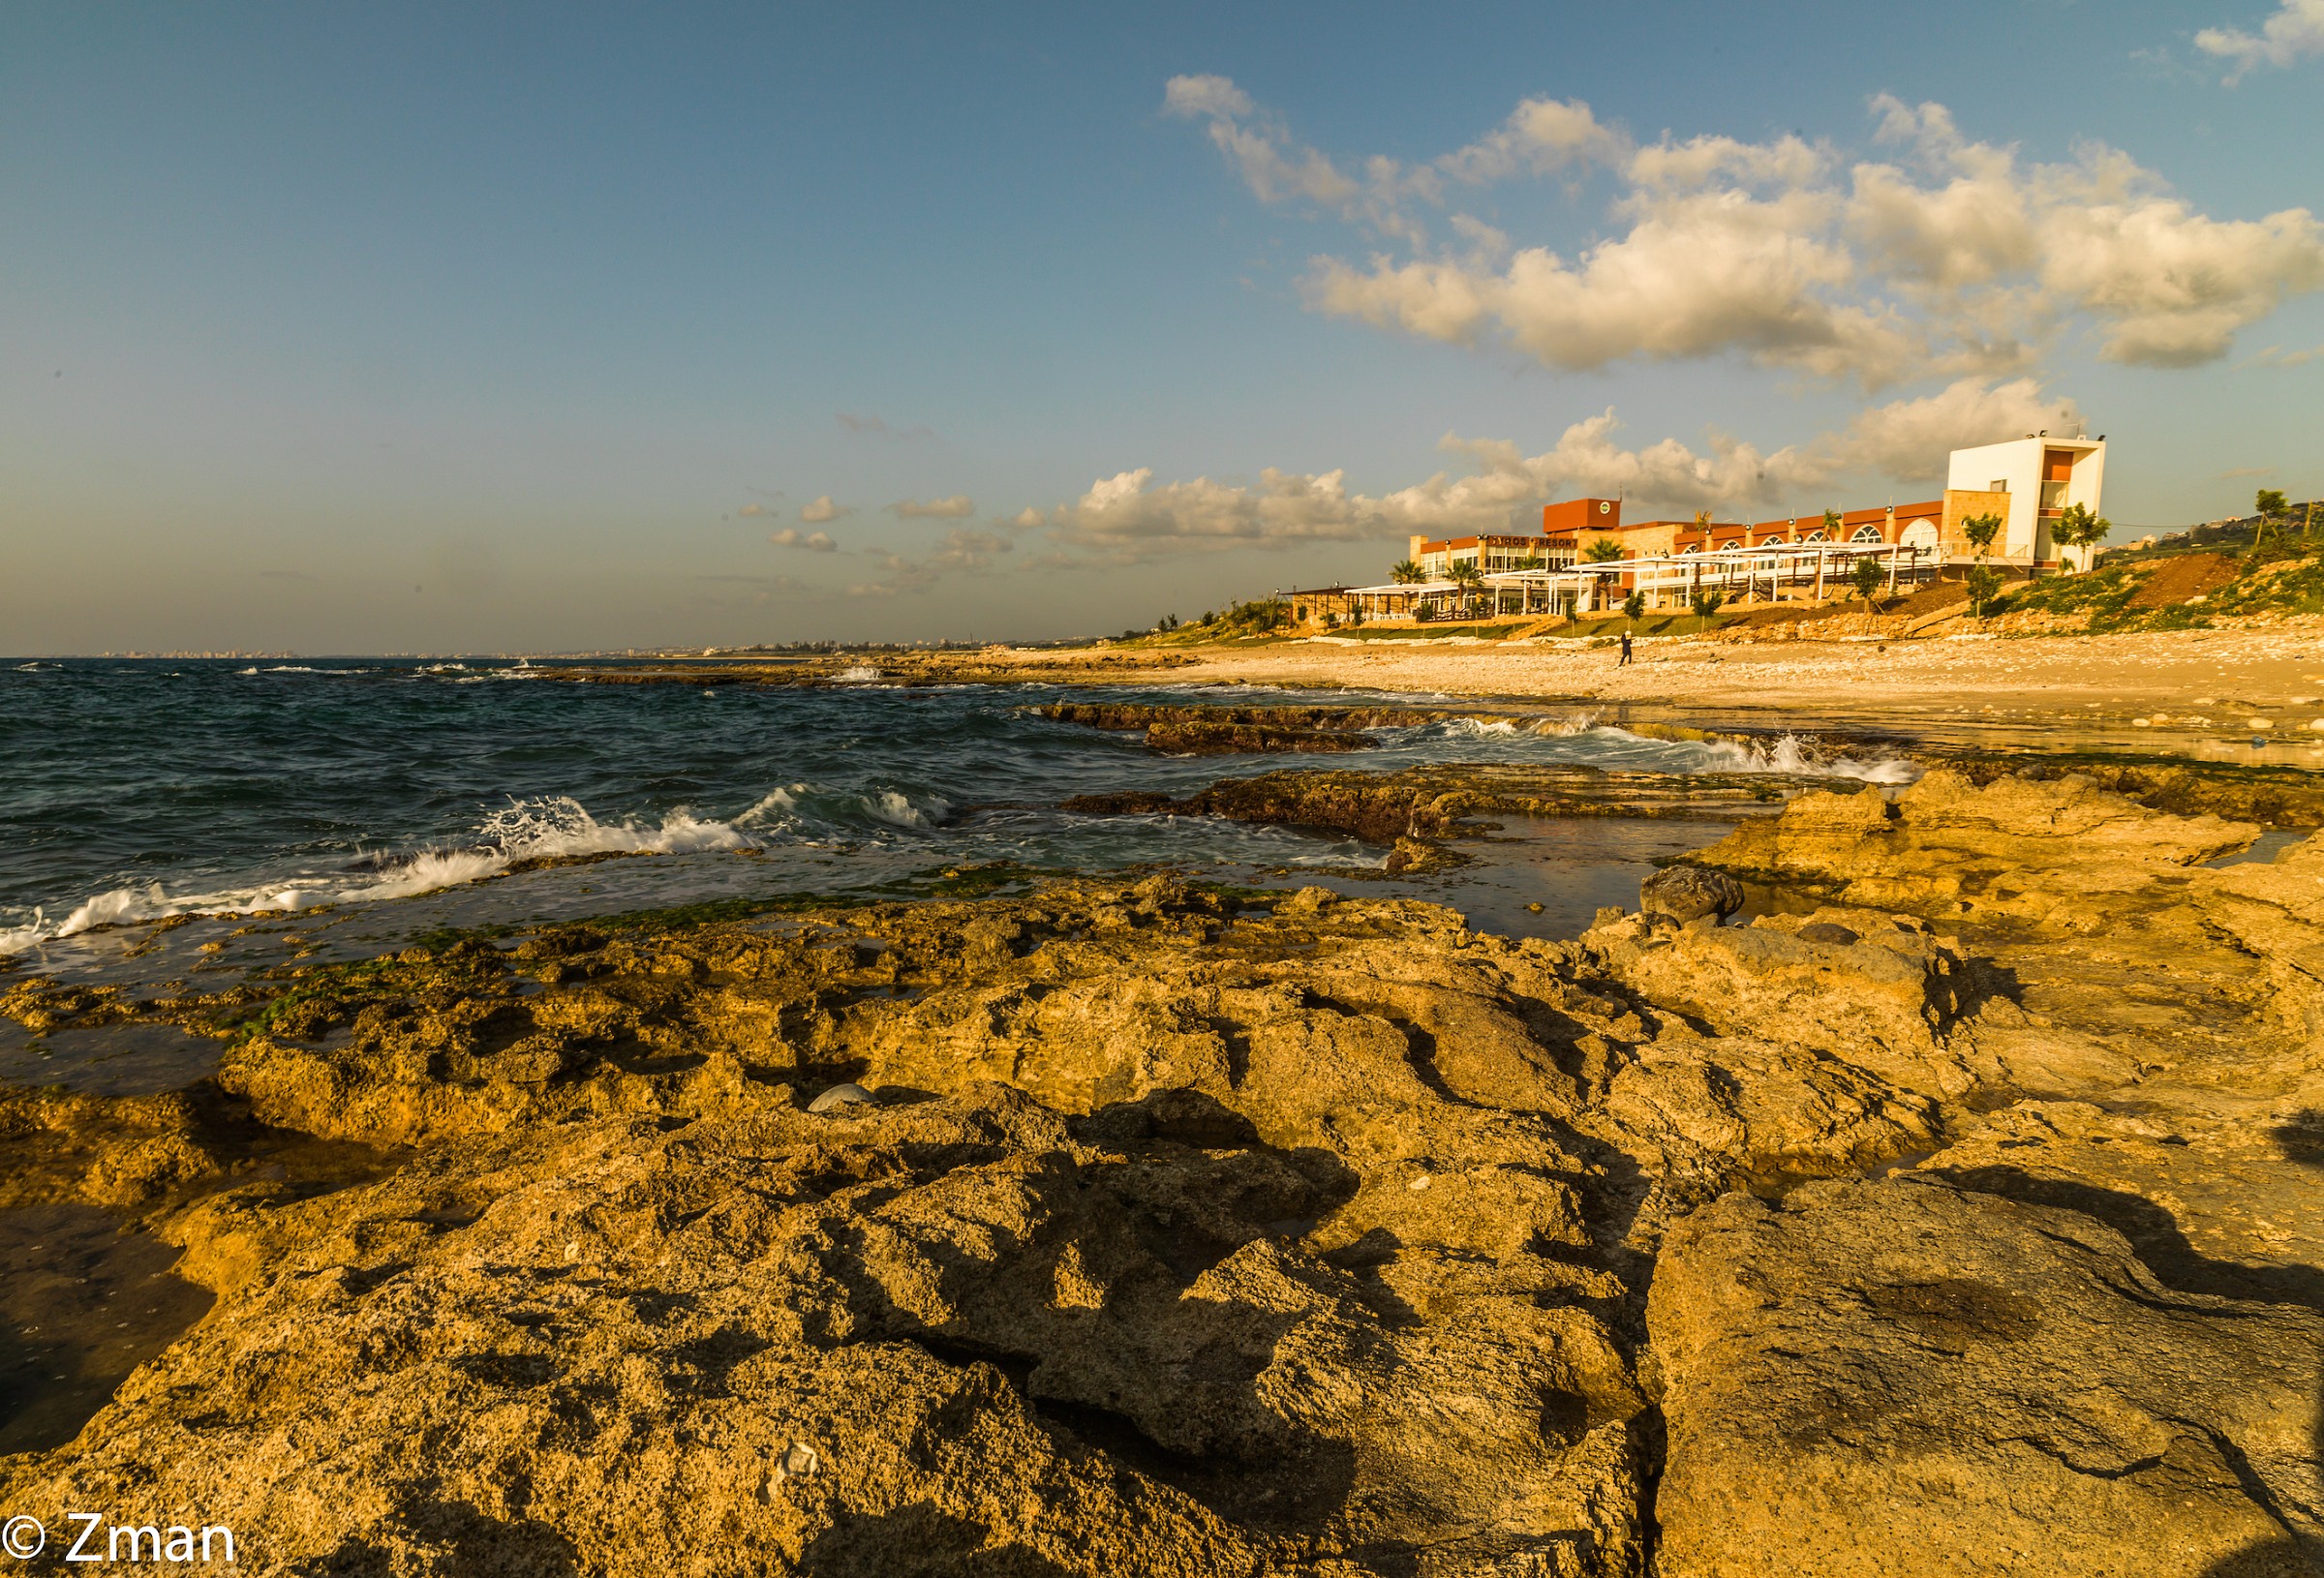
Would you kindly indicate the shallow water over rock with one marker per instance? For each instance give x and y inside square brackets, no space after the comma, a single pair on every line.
[84,1301]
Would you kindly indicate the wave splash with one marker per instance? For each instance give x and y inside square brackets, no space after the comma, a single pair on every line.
[1787,754]
[544,827]
[802,808]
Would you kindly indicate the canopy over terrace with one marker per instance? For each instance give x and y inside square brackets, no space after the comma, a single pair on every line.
[1789,572]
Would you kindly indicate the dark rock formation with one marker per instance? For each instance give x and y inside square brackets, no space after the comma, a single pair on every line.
[1688,892]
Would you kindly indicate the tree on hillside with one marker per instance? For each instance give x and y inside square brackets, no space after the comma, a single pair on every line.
[1634,607]
[1866,578]
[1705,604]
[1405,571]
[2271,507]
[1984,584]
[2078,527]
[1605,551]
[1981,531]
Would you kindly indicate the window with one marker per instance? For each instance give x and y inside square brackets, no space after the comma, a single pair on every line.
[1816,536]
[2001,484]
[1867,532]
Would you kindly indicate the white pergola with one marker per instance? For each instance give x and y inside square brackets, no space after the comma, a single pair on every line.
[1740,575]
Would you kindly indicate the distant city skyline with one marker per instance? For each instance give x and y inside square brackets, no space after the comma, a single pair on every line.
[410,329]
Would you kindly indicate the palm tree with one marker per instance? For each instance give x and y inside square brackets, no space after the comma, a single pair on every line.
[1471,581]
[1405,572]
[1605,551]
[1831,526]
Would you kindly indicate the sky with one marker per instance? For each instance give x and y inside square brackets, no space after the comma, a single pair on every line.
[444,328]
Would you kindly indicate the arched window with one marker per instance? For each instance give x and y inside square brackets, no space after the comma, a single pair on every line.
[1816,536]
[1691,548]
[1919,534]
[1867,532]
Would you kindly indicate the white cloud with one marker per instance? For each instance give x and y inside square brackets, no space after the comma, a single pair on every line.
[941,509]
[1129,516]
[1273,167]
[1951,257]
[2295,30]
[754,511]
[814,542]
[1026,518]
[1540,135]
[822,511]
[965,550]
[1205,96]
[2171,286]
[1910,440]
[1126,512]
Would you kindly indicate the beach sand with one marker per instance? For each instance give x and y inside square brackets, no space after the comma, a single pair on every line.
[2266,669]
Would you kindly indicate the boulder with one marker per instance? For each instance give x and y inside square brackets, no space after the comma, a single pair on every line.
[1686,892]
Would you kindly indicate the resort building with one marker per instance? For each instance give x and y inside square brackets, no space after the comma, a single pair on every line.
[1586,557]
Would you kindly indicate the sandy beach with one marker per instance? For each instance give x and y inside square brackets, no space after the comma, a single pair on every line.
[2276,670]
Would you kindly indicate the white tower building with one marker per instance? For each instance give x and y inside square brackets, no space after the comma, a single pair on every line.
[2028,482]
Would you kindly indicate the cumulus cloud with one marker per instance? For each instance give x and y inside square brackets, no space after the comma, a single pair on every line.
[1946,256]
[1026,518]
[960,504]
[754,511]
[814,542]
[2296,30]
[821,510]
[1131,516]
[1541,136]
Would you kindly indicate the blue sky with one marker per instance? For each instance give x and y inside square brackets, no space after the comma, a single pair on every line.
[361,328]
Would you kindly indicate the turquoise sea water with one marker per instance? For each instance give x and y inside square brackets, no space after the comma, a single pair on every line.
[130,789]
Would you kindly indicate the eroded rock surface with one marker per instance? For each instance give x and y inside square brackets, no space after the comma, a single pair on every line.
[1957,1214]
[1902,1377]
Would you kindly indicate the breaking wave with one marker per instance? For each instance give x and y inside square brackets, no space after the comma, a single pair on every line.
[801,809]
[542,829]
[1787,754]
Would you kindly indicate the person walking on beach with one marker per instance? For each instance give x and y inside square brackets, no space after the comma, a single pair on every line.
[1625,650]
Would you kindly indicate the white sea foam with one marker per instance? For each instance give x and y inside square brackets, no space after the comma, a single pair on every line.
[800,806]
[545,828]
[858,675]
[1792,754]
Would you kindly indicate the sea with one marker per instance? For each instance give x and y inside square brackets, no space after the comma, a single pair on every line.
[417,794]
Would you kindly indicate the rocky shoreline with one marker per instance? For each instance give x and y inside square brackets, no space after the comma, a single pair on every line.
[1957,1213]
